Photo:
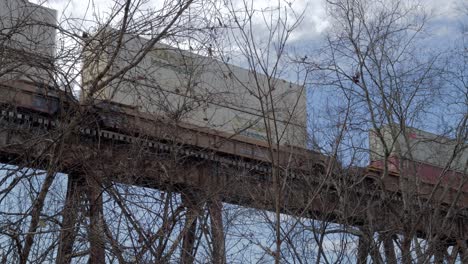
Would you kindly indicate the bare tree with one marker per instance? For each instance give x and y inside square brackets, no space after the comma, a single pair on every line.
[170,139]
[375,59]
[79,223]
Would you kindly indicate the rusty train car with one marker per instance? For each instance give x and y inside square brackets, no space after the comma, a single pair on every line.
[431,158]
[123,119]
[125,123]
[30,96]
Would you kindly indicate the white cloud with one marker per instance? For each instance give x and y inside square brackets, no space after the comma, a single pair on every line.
[314,22]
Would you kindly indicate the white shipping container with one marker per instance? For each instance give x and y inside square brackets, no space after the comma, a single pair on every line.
[27,41]
[420,146]
[200,90]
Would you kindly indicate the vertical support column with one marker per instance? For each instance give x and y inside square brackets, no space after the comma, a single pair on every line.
[69,217]
[440,252]
[463,251]
[367,248]
[406,247]
[95,229]
[452,258]
[389,249]
[363,250]
[190,201]
[217,230]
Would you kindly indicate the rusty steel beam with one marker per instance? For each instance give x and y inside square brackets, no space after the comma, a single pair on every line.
[217,230]
[363,250]
[389,248]
[463,250]
[96,217]
[440,253]
[70,213]
[193,205]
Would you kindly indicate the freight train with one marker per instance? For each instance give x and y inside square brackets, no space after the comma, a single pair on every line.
[29,102]
[195,89]
[432,158]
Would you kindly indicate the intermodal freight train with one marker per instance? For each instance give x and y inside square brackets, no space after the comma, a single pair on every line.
[126,124]
[431,158]
[195,89]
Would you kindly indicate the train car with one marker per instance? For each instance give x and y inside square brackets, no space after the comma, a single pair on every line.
[31,97]
[128,120]
[195,89]
[127,124]
[430,157]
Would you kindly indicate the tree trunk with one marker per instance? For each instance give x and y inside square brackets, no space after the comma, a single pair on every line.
[38,205]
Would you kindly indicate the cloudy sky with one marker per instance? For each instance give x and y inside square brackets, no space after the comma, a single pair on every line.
[446,18]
